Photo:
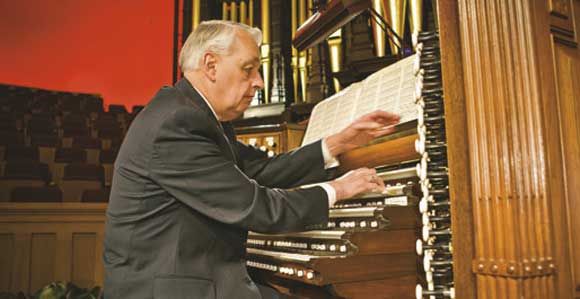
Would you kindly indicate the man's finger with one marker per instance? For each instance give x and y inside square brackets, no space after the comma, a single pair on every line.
[382,132]
[367,125]
[380,116]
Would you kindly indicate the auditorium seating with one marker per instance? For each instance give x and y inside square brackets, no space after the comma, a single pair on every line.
[23,174]
[36,194]
[79,177]
[58,146]
[62,158]
[107,159]
[92,146]
[96,195]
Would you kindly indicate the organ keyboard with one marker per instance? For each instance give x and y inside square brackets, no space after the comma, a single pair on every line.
[332,263]
[370,239]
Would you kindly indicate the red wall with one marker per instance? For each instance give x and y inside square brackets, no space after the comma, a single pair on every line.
[121,49]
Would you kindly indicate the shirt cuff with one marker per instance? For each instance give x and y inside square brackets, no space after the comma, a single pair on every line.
[329,160]
[330,192]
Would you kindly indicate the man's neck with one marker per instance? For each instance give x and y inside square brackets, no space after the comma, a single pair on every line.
[201,87]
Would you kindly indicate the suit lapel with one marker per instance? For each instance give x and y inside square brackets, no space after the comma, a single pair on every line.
[225,129]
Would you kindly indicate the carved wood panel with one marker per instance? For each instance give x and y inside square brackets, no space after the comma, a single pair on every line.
[568,85]
[6,258]
[512,221]
[566,67]
[83,259]
[562,22]
[42,260]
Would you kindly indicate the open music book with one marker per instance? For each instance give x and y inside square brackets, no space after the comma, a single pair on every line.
[391,89]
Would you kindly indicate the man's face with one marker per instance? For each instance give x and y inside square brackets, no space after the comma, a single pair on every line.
[237,77]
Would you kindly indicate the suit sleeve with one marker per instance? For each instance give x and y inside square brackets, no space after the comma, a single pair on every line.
[301,166]
[189,165]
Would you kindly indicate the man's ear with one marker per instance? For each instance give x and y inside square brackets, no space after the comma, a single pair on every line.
[209,65]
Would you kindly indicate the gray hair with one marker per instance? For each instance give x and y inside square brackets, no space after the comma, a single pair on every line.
[215,36]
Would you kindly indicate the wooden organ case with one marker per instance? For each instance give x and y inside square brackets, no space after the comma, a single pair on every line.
[482,192]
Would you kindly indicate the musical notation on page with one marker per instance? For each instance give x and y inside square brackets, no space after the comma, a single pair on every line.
[390,89]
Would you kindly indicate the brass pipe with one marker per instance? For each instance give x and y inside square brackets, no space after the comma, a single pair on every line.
[225,11]
[265,48]
[334,44]
[251,13]
[378,32]
[395,12]
[305,57]
[294,61]
[415,15]
[243,12]
[234,11]
[302,63]
[196,14]
[302,9]
[266,21]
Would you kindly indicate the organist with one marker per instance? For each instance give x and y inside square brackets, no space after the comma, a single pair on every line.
[185,192]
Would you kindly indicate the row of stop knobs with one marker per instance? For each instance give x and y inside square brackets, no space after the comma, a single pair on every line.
[269,145]
[435,245]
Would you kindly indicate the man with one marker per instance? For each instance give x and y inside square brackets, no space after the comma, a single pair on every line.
[185,192]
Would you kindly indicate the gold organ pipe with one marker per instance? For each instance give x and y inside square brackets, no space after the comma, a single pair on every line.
[334,43]
[225,10]
[234,11]
[266,21]
[395,11]
[302,11]
[196,13]
[378,32]
[415,15]
[265,48]
[251,13]
[243,12]
[294,61]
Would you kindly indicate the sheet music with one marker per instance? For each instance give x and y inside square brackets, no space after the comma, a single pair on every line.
[391,89]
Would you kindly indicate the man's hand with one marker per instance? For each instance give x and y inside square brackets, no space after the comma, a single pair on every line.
[355,182]
[361,131]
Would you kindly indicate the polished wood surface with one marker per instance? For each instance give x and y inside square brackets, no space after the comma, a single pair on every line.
[45,242]
[567,61]
[511,79]
[390,152]
[513,255]
[560,71]
[327,20]
[457,147]
[521,94]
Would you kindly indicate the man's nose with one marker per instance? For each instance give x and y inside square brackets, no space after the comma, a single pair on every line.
[258,82]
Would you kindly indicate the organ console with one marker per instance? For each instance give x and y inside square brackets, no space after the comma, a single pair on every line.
[465,212]
[324,259]
[366,249]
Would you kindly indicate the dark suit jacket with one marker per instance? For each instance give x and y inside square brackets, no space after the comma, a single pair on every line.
[184,196]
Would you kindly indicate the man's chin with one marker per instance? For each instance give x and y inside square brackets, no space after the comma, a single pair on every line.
[234,115]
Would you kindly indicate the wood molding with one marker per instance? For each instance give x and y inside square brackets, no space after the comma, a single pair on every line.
[558,93]
[562,22]
[458,149]
[506,148]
